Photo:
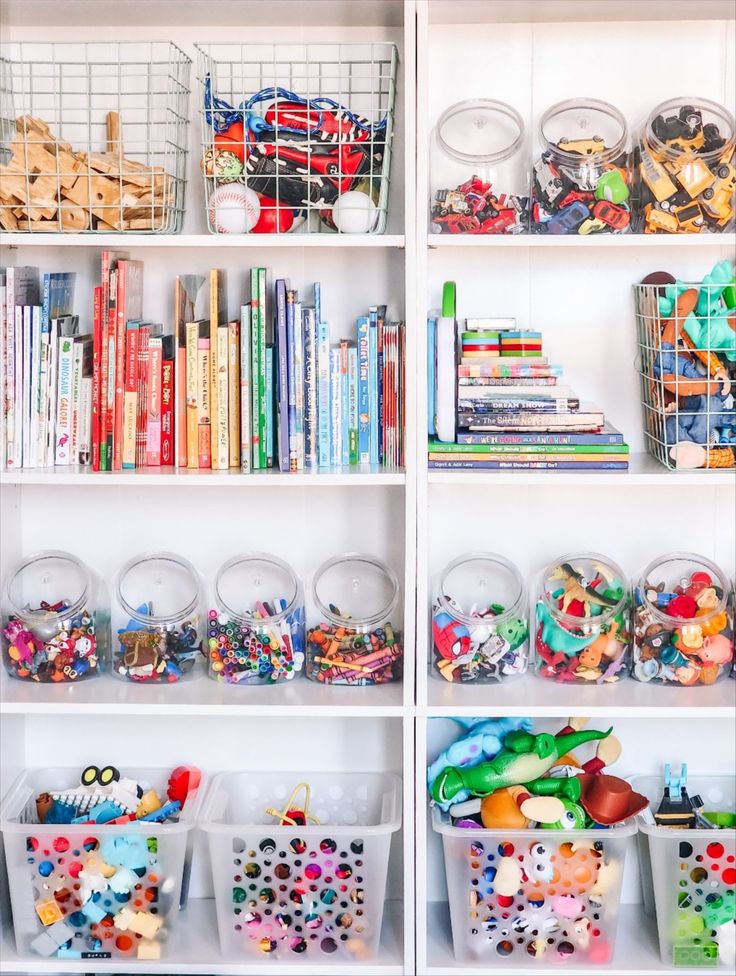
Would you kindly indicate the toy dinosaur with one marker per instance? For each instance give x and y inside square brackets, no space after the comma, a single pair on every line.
[524,760]
[576,587]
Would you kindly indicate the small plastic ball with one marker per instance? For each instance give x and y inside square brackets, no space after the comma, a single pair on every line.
[354,213]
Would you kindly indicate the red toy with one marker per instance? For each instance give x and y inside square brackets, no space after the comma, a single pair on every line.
[184,781]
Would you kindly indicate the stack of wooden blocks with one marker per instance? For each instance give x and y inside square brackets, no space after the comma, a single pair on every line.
[48,186]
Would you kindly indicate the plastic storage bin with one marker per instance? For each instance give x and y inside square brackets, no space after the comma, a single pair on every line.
[686,180]
[480,629]
[98,134]
[581,183]
[55,619]
[683,621]
[311,894]
[582,620]
[356,641]
[45,862]
[689,878]
[480,180]
[297,136]
[158,621]
[255,627]
[569,920]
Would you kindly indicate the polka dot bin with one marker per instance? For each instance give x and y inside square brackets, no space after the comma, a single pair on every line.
[691,883]
[526,895]
[301,892]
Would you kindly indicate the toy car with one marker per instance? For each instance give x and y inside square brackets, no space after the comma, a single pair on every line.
[568,220]
[457,223]
[550,184]
[450,201]
[694,177]
[689,219]
[656,177]
[498,224]
[611,214]
[657,220]
[585,147]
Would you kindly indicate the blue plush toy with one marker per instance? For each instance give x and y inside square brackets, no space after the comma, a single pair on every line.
[702,420]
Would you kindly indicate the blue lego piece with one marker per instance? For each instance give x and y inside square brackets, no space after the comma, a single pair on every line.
[163,813]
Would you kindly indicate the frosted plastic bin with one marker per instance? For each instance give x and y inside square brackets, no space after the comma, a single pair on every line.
[689,878]
[311,894]
[44,862]
[569,919]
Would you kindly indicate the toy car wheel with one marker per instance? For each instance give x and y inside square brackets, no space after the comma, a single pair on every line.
[664,205]
[708,193]
[443,212]
[722,172]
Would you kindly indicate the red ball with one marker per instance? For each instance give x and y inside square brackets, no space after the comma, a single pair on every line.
[273,219]
[232,139]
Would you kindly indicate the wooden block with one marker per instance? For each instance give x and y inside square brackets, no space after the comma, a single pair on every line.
[103,227]
[13,185]
[144,223]
[74,218]
[99,192]
[8,220]
[36,128]
[135,213]
[39,226]
[114,139]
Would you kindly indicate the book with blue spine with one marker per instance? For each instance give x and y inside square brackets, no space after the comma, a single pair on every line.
[299,384]
[373,383]
[317,302]
[57,301]
[283,375]
[382,362]
[607,435]
[353,453]
[344,404]
[269,406]
[323,394]
[364,448]
[335,403]
[290,300]
[310,387]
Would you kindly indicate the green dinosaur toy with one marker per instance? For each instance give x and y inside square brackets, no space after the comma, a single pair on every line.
[523,761]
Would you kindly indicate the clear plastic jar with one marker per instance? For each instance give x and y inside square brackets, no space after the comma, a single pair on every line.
[255,625]
[480,182]
[480,629]
[686,174]
[581,184]
[158,619]
[683,622]
[55,619]
[582,623]
[356,641]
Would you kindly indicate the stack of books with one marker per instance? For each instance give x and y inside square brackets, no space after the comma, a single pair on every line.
[513,410]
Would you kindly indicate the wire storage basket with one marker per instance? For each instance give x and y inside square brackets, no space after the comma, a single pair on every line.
[686,363]
[94,136]
[297,137]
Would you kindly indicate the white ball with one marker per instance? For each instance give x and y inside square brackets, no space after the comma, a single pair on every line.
[234,209]
[354,213]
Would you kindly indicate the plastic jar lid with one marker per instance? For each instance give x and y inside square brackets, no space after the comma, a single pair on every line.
[480,130]
[711,112]
[47,577]
[246,581]
[355,590]
[688,562]
[584,119]
[163,580]
[489,578]
[608,568]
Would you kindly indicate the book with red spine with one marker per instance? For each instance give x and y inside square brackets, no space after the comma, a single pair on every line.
[96,375]
[167,411]
[109,373]
[153,410]
[129,308]
[141,419]
[130,395]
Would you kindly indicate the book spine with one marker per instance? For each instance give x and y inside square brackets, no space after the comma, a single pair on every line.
[323,394]
[542,438]
[204,419]
[508,405]
[167,411]
[373,384]
[141,419]
[291,359]
[233,394]
[96,375]
[180,398]
[269,405]
[131,393]
[153,406]
[19,364]
[561,454]
[299,385]
[344,405]
[584,421]
[310,388]
[85,421]
[401,387]
[120,315]
[27,381]
[532,465]
[255,371]
[335,418]
[43,394]
[104,353]
[35,404]
[76,395]
[353,454]
[262,401]
[8,373]
[245,393]
[317,302]
[64,401]
[364,443]
[283,375]
[381,357]
[390,396]
[109,324]
[192,385]
[222,439]
[213,363]
[53,354]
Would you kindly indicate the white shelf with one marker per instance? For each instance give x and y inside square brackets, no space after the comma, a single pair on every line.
[571,11]
[202,240]
[577,240]
[175,477]
[643,470]
[538,698]
[636,953]
[107,695]
[197,950]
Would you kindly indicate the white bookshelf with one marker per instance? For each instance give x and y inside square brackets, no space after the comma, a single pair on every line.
[578,292]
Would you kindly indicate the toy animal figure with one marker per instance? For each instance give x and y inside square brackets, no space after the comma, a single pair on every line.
[524,760]
[576,587]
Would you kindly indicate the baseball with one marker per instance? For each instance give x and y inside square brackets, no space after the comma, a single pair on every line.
[233,209]
[354,213]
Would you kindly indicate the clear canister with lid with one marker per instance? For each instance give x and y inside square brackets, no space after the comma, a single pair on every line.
[255,625]
[55,619]
[480,629]
[356,640]
[479,177]
[158,621]
[686,175]
[581,184]
[582,620]
[683,621]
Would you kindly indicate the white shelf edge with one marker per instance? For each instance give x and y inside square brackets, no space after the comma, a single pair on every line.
[203,240]
[173,477]
[441,241]
[653,712]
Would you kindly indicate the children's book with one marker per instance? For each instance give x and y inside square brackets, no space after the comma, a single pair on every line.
[323,394]
[282,393]
[154,397]
[245,391]
[233,393]
[218,317]
[131,393]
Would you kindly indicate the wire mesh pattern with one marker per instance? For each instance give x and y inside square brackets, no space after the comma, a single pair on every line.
[94,136]
[687,370]
[297,137]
